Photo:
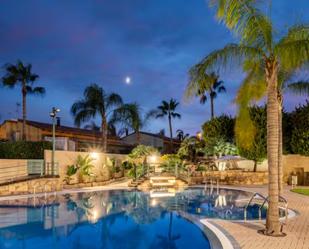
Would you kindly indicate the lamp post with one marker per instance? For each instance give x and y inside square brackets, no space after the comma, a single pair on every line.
[53,115]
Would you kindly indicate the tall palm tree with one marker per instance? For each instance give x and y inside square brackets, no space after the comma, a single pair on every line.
[131,118]
[21,73]
[286,83]
[96,102]
[257,49]
[168,109]
[202,84]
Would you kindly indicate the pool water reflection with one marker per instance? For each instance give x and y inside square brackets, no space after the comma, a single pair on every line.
[116,219]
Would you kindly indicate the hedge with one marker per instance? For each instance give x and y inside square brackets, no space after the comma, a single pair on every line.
[24,149]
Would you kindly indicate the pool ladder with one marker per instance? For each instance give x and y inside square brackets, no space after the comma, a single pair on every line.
[265,200]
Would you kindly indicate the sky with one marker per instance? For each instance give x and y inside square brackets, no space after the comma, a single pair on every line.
[72,43]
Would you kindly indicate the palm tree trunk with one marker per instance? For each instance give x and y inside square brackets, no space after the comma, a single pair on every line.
[171,133]
[212,111]
[138,137]
[280,166]
[104,134]
[272,220]
[24,94]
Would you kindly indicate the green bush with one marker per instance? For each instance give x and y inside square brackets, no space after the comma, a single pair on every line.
[221,127]
[24,149]
[190,148]
[299,125]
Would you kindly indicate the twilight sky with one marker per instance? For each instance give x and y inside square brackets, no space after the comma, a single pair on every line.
[72,43]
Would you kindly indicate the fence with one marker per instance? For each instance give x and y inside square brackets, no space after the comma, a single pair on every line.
[35,167]
[12,169]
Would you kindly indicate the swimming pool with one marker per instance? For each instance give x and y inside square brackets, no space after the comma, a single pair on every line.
[121,219]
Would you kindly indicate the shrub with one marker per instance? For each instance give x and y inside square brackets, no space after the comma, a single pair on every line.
[71,171]
[172,163]
[190,148]
[24,149]
[300,130]
[221,127]
[84,165]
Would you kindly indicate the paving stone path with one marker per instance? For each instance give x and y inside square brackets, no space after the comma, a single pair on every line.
[297,228]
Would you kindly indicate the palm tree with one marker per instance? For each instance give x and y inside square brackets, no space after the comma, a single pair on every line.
[286,83]
[259,49]
[130,117]
[181,135]
[202,83]
[22,74]
[168,109]
[96,102]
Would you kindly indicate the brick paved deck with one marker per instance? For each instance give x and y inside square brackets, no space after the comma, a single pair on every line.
[297,228]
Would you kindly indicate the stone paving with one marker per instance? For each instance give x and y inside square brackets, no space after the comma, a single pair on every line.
[297,228]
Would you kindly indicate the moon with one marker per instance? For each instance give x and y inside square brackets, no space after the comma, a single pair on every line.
[128,80]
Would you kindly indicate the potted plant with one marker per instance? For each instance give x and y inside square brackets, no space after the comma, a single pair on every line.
[84,164]
[71,171]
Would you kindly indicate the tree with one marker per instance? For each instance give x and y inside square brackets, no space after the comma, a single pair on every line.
[221,127]
[131,118]
[202,83]
[258,151]
[300,130]
[181,135]
[168,109]
[22,74]
[258,49]
[96,102]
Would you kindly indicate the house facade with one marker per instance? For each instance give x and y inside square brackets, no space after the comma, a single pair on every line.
[67,138]
[162,143]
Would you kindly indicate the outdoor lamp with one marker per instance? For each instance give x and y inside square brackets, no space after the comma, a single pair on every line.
[53,115]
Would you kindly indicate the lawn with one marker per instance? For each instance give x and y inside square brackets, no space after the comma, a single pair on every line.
[303,191]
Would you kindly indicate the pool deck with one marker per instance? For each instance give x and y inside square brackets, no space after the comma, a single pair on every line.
[297,228]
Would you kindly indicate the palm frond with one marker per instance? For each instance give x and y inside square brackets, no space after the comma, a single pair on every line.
[252,88]
[300,87]
[113,100]
[293,49]
[242,17]
[230,55]
[36,90]
[176,115]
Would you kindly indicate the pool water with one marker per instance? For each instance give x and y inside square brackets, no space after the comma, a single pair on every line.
[117,219]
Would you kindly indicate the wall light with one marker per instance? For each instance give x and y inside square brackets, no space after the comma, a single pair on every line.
[94,155]
[152,159]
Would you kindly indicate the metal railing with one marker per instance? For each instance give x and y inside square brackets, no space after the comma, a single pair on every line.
[50,170]
[249,202]
[35,167]
[265,200]
[282,200]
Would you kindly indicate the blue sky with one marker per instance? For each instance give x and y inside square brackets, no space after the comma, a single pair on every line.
[73,43]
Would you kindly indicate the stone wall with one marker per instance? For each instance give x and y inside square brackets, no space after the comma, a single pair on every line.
[38,185]
[292,164]
[231,177]
[101,162]
[11,169]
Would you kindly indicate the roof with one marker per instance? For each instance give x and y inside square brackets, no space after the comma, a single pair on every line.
[165,138]
[70,130]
